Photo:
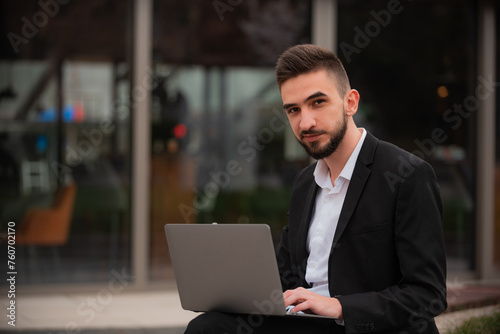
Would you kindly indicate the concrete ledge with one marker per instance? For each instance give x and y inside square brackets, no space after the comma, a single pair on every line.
[472,296]
[159,311]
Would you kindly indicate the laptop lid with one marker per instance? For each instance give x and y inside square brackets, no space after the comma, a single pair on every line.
[226,268]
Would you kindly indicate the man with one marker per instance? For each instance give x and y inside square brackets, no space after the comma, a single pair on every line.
[364,241]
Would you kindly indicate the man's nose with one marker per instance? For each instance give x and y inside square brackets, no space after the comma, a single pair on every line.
[307,120]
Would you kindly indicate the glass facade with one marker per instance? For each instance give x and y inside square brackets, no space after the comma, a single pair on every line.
[414,66]
[64,120]
[221,148]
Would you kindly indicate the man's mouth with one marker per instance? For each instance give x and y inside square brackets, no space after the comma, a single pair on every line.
[311,136]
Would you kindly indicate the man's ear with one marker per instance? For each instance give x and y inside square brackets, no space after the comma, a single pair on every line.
[351,102]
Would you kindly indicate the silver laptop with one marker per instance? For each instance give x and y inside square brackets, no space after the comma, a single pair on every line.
[226,268]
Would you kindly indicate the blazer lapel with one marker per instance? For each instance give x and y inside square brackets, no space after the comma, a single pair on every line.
[309,203]
[356,185]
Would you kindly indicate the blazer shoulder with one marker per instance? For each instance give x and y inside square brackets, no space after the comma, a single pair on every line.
[305,176]
[388,160]
[303,184]
[389,154]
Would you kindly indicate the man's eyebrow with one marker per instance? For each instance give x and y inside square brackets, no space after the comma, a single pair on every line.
[309,98]
[315,95]
[288,105]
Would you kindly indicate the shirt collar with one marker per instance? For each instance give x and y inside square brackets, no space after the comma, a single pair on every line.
[322,173]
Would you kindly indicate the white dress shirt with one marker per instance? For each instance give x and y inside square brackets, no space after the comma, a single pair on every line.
[329,201]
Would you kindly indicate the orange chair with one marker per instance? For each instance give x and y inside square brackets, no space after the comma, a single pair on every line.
[48,227]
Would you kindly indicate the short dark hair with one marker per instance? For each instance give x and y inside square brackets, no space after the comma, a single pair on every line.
[307,58]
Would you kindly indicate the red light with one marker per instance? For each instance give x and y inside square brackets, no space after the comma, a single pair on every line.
[180,131]
[79,112]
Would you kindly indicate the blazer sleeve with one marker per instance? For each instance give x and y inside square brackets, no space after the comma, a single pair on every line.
[420,294]
[291,252]
[289,278]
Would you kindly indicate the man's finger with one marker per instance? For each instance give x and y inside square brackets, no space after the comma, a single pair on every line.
[303,306]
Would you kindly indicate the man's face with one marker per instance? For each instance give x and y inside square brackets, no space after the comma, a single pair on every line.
[316,112]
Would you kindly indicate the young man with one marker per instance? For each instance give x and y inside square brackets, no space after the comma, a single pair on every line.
[364,241]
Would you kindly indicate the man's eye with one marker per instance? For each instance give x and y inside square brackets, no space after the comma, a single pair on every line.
[292,110]
[319,101]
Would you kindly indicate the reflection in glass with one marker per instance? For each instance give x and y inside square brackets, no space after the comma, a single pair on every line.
[64,124]
[221,147]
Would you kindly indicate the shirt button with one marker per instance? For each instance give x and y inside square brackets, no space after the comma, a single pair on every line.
[313,265]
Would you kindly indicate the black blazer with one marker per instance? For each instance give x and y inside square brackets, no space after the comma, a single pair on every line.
[387,262]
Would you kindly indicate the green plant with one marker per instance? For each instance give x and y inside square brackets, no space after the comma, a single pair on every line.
[482,325]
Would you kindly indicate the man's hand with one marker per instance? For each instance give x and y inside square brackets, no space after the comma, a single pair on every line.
[305,300]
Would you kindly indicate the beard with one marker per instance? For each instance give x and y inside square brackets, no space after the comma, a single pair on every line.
[320,152]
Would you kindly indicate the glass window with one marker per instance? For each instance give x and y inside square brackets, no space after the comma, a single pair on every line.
[221,146]
[64,121]
[414,66]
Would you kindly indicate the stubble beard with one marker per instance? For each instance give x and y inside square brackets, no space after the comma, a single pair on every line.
[314,150]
